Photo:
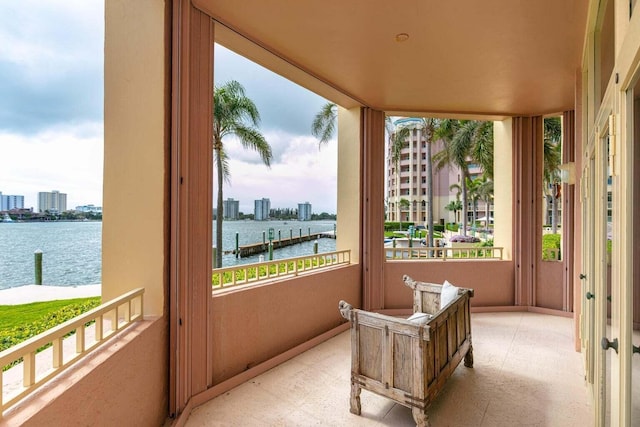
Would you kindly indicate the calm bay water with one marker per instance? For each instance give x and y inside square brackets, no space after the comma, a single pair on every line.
[71,253]
[72,250]
[251,232]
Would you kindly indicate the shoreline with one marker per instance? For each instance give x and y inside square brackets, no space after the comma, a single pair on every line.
[26,294]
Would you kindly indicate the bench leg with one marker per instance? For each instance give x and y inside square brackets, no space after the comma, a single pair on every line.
[420,417]
[468,358]
[355,399]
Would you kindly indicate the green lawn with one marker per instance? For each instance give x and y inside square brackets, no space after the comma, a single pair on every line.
[12,316]
[18,323]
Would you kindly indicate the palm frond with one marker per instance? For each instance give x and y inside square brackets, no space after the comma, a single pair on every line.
[251,138]
[398,140]
[324,123]
[236,114]
[224,161]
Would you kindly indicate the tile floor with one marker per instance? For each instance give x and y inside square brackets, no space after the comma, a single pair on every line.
[526,373]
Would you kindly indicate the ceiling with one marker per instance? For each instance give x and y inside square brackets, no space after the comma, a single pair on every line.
[491,58]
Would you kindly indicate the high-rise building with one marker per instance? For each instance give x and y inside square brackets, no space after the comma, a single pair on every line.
[10,202]
[304,211]
[407,180]
[261,209]
[230,208]
[54,202]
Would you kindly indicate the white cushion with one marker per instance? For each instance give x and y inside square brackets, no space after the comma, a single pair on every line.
[419,318]
[449,293]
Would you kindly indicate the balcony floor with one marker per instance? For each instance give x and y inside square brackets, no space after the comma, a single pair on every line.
[526,372]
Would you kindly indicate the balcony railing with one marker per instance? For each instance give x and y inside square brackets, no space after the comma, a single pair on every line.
[444,253]
[88,330]
[268,270]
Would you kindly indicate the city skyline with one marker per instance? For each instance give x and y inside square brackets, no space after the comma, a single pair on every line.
[51,113]
[230,202]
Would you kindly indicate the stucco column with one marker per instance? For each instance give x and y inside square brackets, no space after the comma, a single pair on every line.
[372,213]
[135,144]
[349,182]
[527,194]
[503,186]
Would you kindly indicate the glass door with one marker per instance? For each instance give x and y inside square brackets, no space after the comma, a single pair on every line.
[588,273]
[634,318]
[604,259]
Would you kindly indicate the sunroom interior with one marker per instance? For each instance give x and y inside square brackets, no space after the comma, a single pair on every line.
[513,63]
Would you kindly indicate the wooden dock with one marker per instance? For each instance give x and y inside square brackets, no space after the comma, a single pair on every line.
[258,248]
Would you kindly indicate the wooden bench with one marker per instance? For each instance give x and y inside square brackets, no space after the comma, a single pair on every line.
[406,361]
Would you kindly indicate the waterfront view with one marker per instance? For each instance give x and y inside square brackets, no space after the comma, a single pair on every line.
[252,232]
[71,253]
[72,250]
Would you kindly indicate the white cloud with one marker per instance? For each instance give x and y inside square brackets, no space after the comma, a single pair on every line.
[303,173]
[51,63]
[66,159]
[51,96]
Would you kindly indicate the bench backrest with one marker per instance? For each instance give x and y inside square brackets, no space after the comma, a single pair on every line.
[426,296]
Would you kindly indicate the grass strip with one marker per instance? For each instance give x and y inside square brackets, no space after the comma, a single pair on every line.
[18,323]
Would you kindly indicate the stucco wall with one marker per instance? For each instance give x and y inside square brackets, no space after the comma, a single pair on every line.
[549,285]
[134,227]
[124,383]
[252,325]
[492,281]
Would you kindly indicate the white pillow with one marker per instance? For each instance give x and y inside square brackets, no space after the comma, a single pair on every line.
[419,318]
[449,293]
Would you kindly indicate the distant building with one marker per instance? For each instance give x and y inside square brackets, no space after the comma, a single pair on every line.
[54,202]
[230,208]
[304,211]
[261,209]
[11,202]
[89,209]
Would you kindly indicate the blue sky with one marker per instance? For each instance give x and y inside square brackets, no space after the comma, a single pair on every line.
[51,114]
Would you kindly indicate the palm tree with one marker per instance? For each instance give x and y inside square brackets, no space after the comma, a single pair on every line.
[472,190]
[398,137]
[485,193]
[455,206]
[482,151]
[324,123]
[233,114]
[458,189]
[464,140]
[457,149]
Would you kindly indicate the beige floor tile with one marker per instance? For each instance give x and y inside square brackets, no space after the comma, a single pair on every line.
[525,373]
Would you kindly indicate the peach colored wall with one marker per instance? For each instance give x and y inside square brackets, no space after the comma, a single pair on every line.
[133,246]
[492,281]
[349,153]
[122,384]
[252,325]
[549,285]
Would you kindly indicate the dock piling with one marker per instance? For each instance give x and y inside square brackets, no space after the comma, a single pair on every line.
[237,245]
[38,266]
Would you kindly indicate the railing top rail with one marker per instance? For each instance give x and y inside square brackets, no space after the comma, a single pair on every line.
[438,253]
[32,344]
[261,272]
[278,261]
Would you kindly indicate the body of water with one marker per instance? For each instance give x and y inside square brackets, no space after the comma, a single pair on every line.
[72,251]
[252,232]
